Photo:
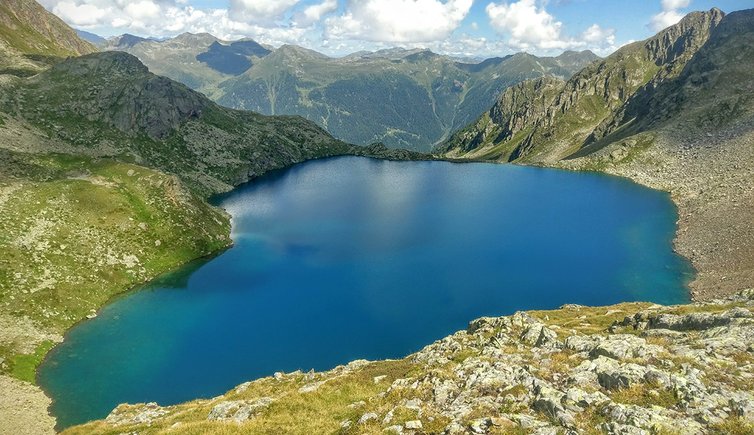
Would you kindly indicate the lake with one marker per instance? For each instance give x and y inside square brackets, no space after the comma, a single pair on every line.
[350,258]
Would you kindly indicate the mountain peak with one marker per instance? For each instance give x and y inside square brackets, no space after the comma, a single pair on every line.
[102,63]
[127,40]
[194,38]
[298,51]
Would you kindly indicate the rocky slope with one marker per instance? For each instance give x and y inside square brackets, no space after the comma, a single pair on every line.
[32,38]
[557,118]
[673,112]
[627,369]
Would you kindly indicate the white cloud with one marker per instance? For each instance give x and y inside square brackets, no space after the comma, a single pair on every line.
[398,20]
[670,14]
[597,35]
[313,13]
[527,24]
[79,14]
[144,9]
[530,27]
[675,4]
[259,11]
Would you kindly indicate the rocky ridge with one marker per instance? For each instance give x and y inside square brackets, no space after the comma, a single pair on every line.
[633,368]
[558,119]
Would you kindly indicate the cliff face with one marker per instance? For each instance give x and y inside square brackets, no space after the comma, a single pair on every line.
[562,117]
[627,369]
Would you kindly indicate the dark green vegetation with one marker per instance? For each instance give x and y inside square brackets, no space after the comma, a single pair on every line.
[403,98]
[32,38]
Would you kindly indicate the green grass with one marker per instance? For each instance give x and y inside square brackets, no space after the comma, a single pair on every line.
[76,231]
[645,395]
[24,366]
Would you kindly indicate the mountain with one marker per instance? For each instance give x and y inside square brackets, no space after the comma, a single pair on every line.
[31,38]
[548,120]
[92,38]
[674,112]
[632,368]
[200,61]
[176,58]
[125,41]
[233,58]
[404,98]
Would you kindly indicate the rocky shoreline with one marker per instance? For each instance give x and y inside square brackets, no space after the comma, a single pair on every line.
[709,177]
[632,368]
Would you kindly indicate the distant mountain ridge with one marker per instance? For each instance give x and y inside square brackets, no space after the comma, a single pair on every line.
[403,98]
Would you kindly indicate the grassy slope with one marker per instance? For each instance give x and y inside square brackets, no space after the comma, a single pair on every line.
[31,38]
[76,231]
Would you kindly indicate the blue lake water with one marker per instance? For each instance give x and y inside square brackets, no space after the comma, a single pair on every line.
[351,258]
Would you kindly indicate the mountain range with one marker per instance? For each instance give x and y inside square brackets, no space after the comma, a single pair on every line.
[403,98]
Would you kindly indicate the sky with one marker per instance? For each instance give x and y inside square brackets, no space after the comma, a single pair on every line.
[470,28]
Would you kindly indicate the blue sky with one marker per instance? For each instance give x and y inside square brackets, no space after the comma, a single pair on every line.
[460,27]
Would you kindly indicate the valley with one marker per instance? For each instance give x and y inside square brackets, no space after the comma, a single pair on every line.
[409,99]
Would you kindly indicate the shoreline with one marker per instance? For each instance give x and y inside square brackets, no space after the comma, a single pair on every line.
[214,202]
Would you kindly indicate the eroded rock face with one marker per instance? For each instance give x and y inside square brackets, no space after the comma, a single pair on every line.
[238,410]
[146,413]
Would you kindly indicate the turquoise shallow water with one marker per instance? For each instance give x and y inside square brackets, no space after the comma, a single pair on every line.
[351,258]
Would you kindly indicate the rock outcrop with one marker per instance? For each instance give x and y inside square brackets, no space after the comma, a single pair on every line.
[632,368]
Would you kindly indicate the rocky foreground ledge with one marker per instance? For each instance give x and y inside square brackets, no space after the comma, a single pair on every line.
[633,368]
